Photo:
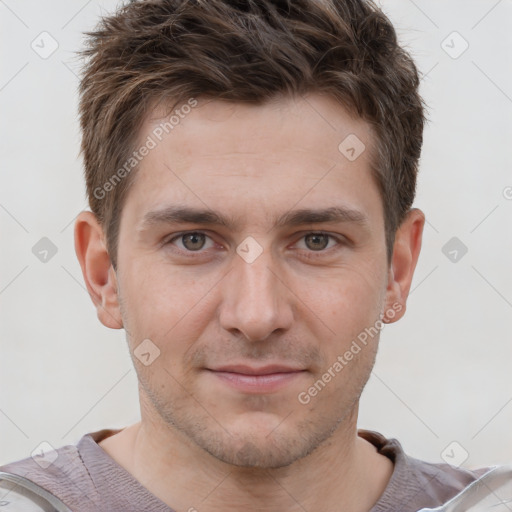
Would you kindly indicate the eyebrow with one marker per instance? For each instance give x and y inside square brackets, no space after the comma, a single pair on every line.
[184,214]
[332,214]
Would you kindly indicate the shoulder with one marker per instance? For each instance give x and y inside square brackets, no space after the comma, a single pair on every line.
[415,483]
[63,473]
[436,483]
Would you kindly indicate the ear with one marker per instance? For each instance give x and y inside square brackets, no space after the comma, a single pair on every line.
[406,251]
[99,275]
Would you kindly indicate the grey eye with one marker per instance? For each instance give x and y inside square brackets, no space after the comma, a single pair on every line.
[193,241]
[316,241]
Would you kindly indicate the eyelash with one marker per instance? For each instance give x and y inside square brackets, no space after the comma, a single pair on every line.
[310,254]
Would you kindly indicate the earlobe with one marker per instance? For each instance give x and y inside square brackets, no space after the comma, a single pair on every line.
[406,251]
[99,276]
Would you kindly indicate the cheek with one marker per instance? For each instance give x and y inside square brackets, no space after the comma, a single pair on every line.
[347,300]
[159,296]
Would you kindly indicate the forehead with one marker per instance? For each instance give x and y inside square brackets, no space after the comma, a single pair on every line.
[315,123]
[219,154]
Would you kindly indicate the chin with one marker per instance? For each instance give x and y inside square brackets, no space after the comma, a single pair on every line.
[262,444]
[254,453]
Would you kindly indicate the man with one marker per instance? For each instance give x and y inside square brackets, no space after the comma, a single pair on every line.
[251,169]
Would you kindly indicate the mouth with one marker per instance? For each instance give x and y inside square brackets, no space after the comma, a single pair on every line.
[249,379]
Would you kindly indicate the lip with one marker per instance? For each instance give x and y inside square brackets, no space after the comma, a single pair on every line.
[262,370]
[266,379]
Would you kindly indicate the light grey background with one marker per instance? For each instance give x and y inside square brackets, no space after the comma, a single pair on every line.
[443,372]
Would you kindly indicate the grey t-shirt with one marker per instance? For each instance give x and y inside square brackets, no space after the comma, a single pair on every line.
[87,479]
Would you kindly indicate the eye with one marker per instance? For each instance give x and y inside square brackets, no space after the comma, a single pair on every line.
[196,241]
[192,242]
[319,241]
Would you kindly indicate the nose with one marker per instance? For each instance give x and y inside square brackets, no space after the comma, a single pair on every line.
[255,300]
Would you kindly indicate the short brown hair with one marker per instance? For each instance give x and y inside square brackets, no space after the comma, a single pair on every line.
[247,51]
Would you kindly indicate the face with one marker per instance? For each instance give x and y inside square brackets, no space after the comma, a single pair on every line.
[252,254]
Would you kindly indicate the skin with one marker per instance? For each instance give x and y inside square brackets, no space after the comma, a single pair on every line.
[200,442]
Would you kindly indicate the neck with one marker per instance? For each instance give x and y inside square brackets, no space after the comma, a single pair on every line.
[344,471]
